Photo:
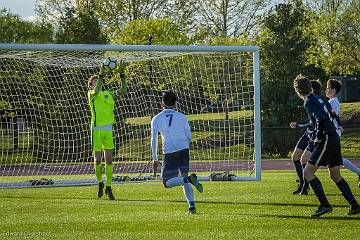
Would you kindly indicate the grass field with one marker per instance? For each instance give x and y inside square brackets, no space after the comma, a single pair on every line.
[226,210]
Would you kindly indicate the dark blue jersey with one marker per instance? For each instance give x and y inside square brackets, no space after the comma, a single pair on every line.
[328,109]
[322,120]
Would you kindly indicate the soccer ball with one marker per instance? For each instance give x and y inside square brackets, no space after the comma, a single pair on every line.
[110,63]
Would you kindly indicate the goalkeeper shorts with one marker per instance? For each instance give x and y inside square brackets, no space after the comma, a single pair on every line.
[102,140]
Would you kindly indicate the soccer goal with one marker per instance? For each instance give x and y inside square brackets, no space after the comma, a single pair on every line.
[45,137]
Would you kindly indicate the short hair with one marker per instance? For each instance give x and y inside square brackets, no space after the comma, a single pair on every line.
[91,79]
[169,98]
[334,84]
[316,87]
[302,85]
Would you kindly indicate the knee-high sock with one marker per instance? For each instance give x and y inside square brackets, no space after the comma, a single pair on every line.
[189,194]
[98,172]
[299,171]
[349,165]
[176,181]
[319,191]
[306,183]
[346,191]
[109,174]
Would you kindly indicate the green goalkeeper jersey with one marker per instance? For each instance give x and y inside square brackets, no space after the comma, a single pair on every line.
[102,104]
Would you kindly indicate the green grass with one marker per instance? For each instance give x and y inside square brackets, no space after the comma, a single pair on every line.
[350,143]
[350,107]
[226,210]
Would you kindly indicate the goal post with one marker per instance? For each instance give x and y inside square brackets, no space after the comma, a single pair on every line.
[45,135]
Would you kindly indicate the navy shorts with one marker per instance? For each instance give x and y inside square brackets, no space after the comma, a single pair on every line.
[328,152]
[306,142]
[175,164]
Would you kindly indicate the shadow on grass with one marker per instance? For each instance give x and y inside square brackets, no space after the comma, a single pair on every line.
[324,217]
[105,201]
[104,198]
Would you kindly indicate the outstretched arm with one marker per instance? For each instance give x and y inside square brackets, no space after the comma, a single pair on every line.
[121,71]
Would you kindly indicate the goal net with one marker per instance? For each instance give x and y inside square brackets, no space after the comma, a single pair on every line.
[45,135]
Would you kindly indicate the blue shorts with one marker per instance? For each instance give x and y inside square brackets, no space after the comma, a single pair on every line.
[175,164]
[328,152]
[306,142]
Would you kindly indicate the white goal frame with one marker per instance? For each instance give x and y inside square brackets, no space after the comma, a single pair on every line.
[255,50]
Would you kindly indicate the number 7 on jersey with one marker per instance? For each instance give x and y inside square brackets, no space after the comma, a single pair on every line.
[171,116]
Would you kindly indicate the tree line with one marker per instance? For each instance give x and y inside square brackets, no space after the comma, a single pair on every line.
[328,28]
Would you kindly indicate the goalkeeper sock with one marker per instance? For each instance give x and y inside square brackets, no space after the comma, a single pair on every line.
[98,172]
[189,194]
[176,181]
[109,174]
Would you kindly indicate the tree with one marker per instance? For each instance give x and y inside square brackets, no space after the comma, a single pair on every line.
[16,30]
[348,47]
[228,17]
[334,30]
[163,30]
[113,15]
[79,27]
[283,56]
[200,20]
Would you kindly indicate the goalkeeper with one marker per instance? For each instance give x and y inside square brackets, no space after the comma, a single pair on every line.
[102,103]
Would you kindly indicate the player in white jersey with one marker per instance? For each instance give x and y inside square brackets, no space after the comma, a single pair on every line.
[333,87]
[176,136]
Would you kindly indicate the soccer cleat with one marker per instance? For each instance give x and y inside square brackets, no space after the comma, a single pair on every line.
[354,211]
[191,210]
[101,190]
[321,211]
[109,193]
[193,180]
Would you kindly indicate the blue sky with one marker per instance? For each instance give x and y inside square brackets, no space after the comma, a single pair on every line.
[24,8]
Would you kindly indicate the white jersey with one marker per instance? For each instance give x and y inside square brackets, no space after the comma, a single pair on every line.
[335,104]
[174,129]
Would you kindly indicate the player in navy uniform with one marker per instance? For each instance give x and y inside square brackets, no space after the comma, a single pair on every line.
[176,136]
[327,150]
[305,146]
